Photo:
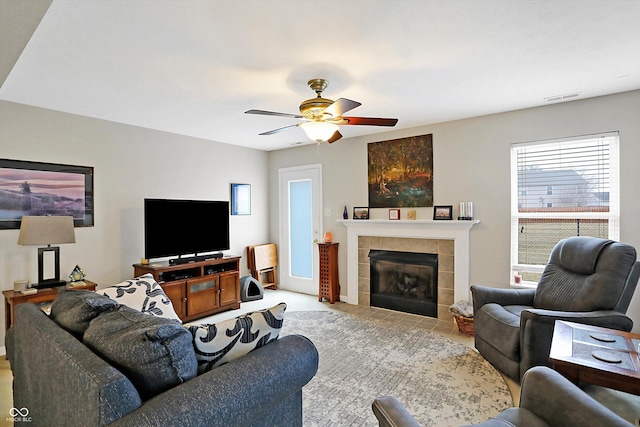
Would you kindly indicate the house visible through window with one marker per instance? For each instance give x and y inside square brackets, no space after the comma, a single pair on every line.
[561,188]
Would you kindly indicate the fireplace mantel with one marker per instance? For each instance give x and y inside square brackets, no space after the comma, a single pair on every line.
[458,231]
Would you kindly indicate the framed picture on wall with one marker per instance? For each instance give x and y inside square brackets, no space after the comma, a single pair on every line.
[39,189]
[240,199]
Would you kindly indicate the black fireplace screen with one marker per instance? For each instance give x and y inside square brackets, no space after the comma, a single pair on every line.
[404,281]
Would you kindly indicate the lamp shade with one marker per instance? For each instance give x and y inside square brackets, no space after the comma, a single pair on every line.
[319,131]
[46,230]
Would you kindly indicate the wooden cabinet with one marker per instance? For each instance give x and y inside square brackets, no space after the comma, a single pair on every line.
[329,280]
[177,293]
[199,288]
[229,288]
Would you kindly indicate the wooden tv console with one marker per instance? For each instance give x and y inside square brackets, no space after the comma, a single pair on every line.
[199,288]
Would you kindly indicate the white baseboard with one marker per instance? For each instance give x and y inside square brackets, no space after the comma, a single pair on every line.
[3,351]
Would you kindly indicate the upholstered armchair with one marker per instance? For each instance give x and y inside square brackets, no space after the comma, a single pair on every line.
[587,280]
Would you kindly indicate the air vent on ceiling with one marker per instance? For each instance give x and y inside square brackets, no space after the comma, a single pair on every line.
[563,97]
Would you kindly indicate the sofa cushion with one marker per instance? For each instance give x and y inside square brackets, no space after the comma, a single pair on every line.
[153,352]
[72,309]
[217,344]
[143,294]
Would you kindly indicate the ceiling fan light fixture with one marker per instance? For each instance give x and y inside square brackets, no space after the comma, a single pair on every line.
[319,131]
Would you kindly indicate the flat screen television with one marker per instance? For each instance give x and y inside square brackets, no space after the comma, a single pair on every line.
[185,227]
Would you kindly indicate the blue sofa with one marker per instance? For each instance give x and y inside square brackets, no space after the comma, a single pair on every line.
[64,383]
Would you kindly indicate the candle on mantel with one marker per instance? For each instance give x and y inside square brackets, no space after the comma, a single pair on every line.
[465,211]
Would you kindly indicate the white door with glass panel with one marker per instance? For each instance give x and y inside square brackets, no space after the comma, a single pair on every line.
[300,225]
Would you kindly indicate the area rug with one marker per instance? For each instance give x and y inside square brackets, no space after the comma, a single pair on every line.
[439,381]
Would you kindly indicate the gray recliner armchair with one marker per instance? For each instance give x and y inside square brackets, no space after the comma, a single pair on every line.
[547,399]
[587,280]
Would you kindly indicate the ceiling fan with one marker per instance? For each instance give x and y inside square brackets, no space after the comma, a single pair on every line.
[322,116]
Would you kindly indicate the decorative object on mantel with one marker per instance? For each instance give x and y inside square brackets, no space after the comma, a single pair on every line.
[345,213]
[360,213]
[77,276]
[400,172]
[444,212]
[411,214]
[394,214]
[465,211]
[462,311]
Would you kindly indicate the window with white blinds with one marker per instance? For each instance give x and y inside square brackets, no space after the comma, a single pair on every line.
[561,188]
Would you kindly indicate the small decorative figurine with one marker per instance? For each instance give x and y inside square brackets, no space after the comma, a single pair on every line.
[77,275]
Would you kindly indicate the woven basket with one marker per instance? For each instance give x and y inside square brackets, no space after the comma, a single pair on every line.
[465,325]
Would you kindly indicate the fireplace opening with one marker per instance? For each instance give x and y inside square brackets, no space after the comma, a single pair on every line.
[404,281]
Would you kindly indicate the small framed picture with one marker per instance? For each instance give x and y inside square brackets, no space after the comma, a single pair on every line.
[240,199]
[394,213]
[361,213]
[443,212]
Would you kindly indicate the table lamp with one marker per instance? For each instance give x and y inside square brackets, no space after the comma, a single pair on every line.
[47,230]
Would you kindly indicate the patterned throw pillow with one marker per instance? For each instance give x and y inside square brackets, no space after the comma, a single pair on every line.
[217,344]
[144,294]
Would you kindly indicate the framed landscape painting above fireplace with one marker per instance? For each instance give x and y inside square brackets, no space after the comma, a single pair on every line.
[401,172]
[39,189]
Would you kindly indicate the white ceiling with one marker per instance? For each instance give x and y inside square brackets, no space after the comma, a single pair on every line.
[192,67]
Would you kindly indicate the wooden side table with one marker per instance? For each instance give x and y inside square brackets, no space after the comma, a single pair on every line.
[13,298]
[329,280]
[595,355]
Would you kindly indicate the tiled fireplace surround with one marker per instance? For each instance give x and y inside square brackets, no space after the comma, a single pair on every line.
[448,239]
[443,248]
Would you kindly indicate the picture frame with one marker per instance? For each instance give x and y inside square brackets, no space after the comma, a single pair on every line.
[240,199]
[360,213]
[443,212]
[394,214]
[37,189]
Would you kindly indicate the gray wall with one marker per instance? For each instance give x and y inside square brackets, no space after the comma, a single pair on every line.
[130,163]
[471,163]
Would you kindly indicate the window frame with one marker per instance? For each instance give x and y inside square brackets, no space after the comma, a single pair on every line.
[613,216]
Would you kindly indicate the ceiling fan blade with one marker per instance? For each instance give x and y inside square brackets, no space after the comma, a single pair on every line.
[273,113]
[271,132]
[336,136]
[369,121]
[341,106]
